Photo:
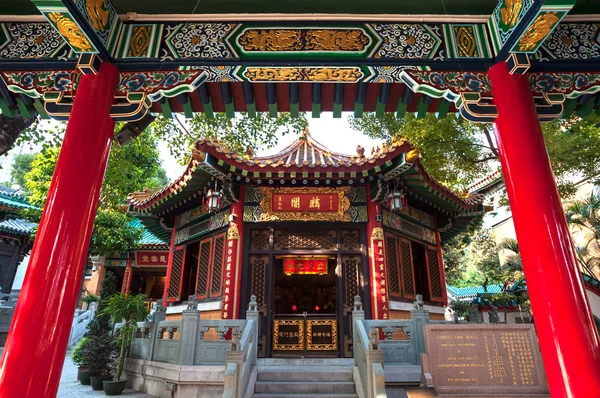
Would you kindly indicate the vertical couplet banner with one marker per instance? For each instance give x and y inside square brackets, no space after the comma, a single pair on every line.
[379,291]
[233,261]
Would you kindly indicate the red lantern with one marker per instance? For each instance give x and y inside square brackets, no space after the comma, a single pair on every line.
[395,199]
[294,308]
[317,308]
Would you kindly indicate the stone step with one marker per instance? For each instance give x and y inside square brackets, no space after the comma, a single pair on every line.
[303,387]
[304,396]
[305,373]
[305,362]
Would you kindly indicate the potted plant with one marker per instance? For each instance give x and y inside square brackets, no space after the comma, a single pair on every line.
[89,299]
[103,351]
[127,309]
[83,374]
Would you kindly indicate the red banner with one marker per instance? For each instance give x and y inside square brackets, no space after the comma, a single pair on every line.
[152,258]
[306,202]
[231,276]
[303,266]
[380,293]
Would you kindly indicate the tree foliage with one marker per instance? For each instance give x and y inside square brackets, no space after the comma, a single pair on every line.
[21,166]
[130,168]
[458,153]
[237,133]
[584,216]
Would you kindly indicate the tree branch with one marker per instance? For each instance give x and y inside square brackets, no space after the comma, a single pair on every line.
[488,137]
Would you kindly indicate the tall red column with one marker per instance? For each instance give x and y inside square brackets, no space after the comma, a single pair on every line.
[232,276]
[569,343]
[377,263]
[37,341]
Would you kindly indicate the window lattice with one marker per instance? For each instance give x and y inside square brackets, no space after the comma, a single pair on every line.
[434,273]
[351,240]
[407,268]
[203,264]
[392,265]
[176,271]
[217,264]
[259,239]
[350,266]
[258,266]
[325,240]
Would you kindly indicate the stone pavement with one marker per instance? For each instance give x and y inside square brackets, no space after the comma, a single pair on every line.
[70,388]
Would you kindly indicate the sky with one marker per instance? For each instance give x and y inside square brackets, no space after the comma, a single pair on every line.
[335,134]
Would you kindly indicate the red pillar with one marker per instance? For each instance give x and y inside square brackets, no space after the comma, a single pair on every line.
[37,341]
[377,266]
[569,343]
[232,277]
[127,275]
[170,261]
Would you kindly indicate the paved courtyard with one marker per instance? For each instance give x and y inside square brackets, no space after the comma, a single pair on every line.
[70,387]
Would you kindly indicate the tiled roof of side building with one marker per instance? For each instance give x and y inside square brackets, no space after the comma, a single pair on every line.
[17,227]
[149,239]
[473,291]
[12,200]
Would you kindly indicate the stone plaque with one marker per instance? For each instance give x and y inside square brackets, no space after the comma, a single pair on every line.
[483,361]
[288,334]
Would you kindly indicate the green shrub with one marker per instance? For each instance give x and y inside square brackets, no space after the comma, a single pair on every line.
[90,298]
[77,356]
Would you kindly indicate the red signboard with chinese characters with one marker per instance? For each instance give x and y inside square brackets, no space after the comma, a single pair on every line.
[378,275]
[304,266]
[151,258]
[306,202]
[231,274]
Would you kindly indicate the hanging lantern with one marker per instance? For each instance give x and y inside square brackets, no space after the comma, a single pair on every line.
[213,199]
[395,199]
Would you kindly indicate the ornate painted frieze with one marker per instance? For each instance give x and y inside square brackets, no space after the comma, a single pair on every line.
[32,41]
[396,222]
[409,41]
[571,41]
[140,41]
[343,74]
[200,228]
[505,19]
[466,41]
[198,40]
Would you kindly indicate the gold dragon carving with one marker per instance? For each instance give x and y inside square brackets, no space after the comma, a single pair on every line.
[271,40]
[336,40]
[509,13]
[538,30]
[70,31]
[99,13]
[315,74]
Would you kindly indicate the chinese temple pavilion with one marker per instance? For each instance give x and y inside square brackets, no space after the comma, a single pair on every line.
[514,63]
[303,231]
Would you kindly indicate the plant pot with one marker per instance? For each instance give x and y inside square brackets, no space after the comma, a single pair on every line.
[84,377]
[97,381]
[114,387]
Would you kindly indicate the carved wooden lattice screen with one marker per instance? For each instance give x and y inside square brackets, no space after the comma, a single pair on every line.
[204,256]
[175,282]
[217,265]
[401,281]
[406,269]
[434,272]
[258,265]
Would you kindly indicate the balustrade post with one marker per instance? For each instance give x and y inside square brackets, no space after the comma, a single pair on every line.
[189,331]
[419,316]
[358,314]
[159,316]
[253,314]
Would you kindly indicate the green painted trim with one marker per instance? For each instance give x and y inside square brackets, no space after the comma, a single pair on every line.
[166,109]
[208,110]
[273,110]
[39,107]
[401,109]
[358,110]
[187,109]
[379,110]
[422,108]
[6,110]
[586,108]
[295,110]
[251,109]
[568,108]
[230,110]
[316,111]
[337,110]
[23,108]
[443,108]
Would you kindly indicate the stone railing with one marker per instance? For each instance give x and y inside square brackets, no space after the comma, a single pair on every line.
[241,357]
[81,320]
[189,341]
[393,342]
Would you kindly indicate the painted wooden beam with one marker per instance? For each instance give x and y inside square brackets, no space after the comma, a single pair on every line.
[359,104]
[227,99]
[443,107]
[294,99]
[249,99]
[316,100]
[206,101]
[272,99]
[186,105]
[403,103]
[338,100]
